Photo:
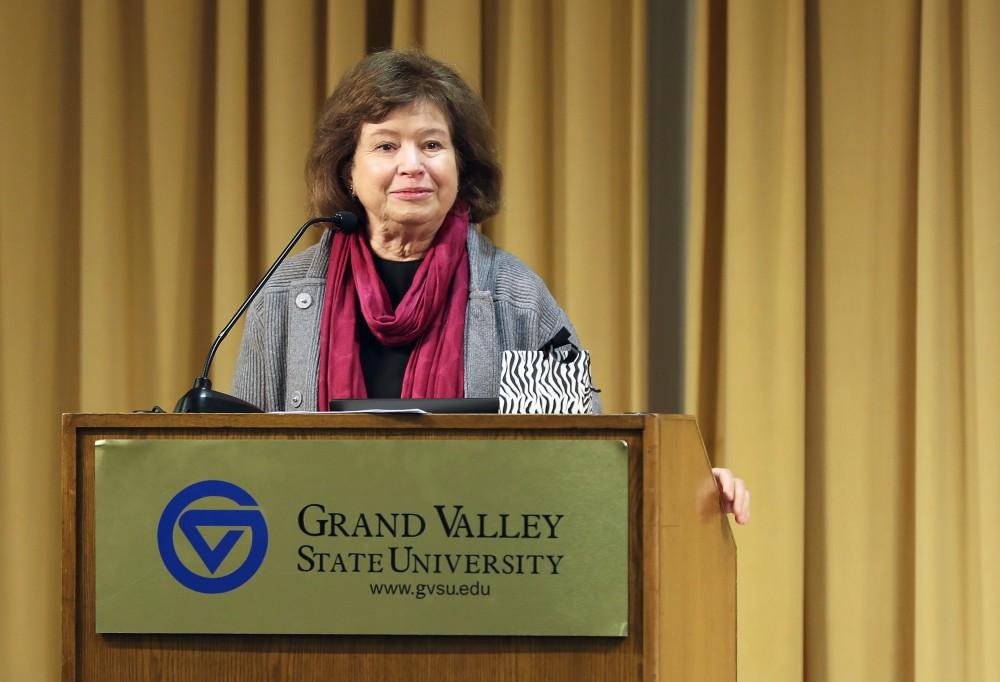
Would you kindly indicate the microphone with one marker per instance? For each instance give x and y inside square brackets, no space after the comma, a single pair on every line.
[201,398]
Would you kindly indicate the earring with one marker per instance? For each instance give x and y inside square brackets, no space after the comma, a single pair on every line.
[350,188]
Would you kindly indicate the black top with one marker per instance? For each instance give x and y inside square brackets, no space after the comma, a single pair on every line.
[384,366]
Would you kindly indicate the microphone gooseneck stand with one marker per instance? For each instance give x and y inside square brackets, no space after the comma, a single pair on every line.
[201,398]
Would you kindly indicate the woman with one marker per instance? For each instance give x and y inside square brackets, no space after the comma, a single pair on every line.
[417,303]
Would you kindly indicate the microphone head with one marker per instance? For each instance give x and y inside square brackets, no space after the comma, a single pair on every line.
[345,221]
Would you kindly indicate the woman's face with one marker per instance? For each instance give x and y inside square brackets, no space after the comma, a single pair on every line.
[405,169]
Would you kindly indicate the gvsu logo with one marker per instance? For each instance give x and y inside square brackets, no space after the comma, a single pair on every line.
[192,522]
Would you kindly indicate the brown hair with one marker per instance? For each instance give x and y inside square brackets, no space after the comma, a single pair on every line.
[368,93]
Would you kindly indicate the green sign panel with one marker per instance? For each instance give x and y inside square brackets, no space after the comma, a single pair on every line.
[432,537]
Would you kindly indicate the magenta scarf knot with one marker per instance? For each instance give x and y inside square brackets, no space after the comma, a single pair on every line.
[431,314]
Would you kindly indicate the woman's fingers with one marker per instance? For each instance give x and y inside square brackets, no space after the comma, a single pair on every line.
[735,496]
[724,477]
[739,490]
[742,515]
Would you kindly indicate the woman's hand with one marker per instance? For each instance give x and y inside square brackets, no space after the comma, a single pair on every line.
[735,496]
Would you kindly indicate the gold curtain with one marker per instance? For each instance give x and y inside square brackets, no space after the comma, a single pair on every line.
[844,311]
[151,166]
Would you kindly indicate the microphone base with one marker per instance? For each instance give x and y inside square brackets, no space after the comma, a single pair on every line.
[202,399]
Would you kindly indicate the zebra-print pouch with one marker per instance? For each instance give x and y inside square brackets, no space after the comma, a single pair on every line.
[545,382]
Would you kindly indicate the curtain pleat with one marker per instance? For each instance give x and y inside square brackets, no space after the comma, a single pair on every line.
[593,228]
[291,87]
[517,88]
[345,38]
[235,226]
[939,459]
[747,238]
[979,54]
[39,317]
[452,32]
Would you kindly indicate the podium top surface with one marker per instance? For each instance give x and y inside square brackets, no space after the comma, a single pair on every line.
[328,420]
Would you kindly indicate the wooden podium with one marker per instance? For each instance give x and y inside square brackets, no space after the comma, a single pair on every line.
[682,566]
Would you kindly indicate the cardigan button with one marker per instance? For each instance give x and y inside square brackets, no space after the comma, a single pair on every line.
[297,399]
[303,300]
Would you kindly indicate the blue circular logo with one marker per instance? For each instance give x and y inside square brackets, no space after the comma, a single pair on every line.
[191,521]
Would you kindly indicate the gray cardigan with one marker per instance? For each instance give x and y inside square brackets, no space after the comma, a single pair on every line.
[509,308]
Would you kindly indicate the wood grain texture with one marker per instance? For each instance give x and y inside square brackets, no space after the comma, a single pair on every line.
[68,573]
[654,606]
[697,559]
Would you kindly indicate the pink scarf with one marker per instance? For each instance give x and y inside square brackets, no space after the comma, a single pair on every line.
[432,314]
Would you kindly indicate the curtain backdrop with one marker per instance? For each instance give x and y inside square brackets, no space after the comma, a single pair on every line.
[151,166]
[844,311]
[843,267]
